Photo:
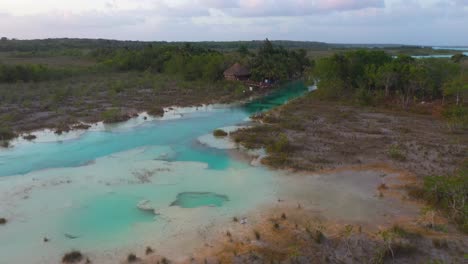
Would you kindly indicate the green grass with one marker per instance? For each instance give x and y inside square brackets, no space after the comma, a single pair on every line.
[396,153]
[448,194]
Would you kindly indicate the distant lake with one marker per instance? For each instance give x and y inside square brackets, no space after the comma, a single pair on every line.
[451,48]
[442,56]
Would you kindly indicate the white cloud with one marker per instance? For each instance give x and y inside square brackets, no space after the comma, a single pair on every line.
[357,21]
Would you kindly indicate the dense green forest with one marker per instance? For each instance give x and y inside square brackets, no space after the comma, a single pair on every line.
[376,78]
[90,44]
[188,62]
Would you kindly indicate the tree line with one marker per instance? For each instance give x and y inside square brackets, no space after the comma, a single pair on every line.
[372,76]
[195,63]
[31,73]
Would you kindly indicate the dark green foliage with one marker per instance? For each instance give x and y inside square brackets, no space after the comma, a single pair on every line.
[197,63]
[278,63]
[281,145]
[112,116]
[30,73]
[156,111]
[29,137]
[6,133]
[149,250]
[72,257]
[397,153]
[250,137]
[457,58]
[219,133]
[371,76]
[457,116]
[449,193]
[189,62]
[132,258]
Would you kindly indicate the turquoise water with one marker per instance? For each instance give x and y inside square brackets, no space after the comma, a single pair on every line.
[463,50]
[83,193]
[178,134]
[103,215]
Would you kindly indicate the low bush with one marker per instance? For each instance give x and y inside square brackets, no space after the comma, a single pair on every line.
[72,257]
[149,250]
[456,116]
[156,111]
[257,235]
[29,137]
[281,145]
[113,115]
[450,193]
[396,153]
[6,133]
[219,133]
[132,258]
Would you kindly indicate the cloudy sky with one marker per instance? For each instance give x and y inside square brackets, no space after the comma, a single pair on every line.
[429,22]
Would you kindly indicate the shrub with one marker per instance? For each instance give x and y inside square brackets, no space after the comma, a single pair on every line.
[3,221]
[156,111]
[457,116]
[132,258]
[6,133]
[364,97]
[257,235]
[29,137]
[396,153]
[112,116]
[280,145]
[219,133]
[149,250]
[450,194]
[318,236]
[72,257]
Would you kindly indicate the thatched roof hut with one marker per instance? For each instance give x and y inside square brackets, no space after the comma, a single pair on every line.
[237,72]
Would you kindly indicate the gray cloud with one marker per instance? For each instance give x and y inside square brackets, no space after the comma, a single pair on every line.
[345,21]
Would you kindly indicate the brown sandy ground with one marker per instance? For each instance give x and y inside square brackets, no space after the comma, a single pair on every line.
[308,134]
[290,232]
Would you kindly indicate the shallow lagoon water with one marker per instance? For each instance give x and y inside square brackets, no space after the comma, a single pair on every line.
[82,192]
[199,199]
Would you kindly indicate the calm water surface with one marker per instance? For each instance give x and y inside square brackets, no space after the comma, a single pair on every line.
[82,193]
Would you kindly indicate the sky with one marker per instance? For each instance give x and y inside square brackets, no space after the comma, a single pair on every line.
[420,22]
